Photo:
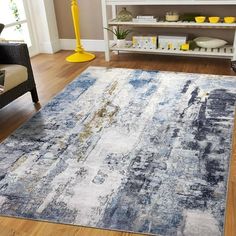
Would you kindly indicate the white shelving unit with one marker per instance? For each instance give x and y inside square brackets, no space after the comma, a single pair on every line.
[224,52]
[228,52]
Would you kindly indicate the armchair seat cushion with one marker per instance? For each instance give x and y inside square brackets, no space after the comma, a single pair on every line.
[14,75]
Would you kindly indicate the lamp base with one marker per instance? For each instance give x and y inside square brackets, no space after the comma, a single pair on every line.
[80,57]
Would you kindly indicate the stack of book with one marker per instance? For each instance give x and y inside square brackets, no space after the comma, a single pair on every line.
[145,19]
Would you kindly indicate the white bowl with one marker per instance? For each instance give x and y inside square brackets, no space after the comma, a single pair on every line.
[207,42]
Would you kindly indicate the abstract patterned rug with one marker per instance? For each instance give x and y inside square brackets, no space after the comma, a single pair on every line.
[124,149]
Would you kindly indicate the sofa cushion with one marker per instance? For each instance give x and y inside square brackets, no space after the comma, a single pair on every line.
[14,75]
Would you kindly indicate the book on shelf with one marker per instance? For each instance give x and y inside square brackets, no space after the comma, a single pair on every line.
[145,17]
[135,20]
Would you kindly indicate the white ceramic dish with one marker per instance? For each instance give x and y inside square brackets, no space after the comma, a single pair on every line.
[207,42]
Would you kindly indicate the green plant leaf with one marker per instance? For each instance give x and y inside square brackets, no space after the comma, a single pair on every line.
[119,33]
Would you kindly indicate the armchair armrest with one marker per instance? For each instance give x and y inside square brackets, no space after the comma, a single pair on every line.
[14,53]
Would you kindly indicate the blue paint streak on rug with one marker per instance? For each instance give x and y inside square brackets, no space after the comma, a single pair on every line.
[131,150]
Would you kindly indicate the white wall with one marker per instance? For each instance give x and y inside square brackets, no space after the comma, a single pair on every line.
[45,27]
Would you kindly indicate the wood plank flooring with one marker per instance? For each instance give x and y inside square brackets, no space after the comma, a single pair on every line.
[52,74]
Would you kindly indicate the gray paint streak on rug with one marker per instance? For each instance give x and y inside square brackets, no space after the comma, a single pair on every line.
[134,150]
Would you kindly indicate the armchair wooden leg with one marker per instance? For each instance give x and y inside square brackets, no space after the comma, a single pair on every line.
[34,95]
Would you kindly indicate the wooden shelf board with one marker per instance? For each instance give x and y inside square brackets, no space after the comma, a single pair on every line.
[225,52]
[178,24]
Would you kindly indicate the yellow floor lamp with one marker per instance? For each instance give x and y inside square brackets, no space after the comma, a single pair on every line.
[80,55]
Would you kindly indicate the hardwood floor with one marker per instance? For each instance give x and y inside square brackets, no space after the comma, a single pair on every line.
[52,74]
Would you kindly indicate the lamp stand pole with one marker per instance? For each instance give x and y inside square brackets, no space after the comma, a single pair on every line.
[80,55]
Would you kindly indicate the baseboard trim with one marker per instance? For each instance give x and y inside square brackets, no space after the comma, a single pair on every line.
[50,47]
[88,44]
[56,45]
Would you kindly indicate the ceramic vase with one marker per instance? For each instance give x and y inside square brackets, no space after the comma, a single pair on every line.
[124,15]
[120,43]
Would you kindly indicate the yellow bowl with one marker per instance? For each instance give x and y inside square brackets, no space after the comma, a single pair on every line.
[229,19]
[200,19]
[214,19]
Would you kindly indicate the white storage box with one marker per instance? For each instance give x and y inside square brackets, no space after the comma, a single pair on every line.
[171,42]
[144,42]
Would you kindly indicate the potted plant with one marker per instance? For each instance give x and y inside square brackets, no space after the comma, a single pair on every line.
[120,36]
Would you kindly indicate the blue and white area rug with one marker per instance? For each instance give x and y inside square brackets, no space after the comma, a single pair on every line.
[126,149]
